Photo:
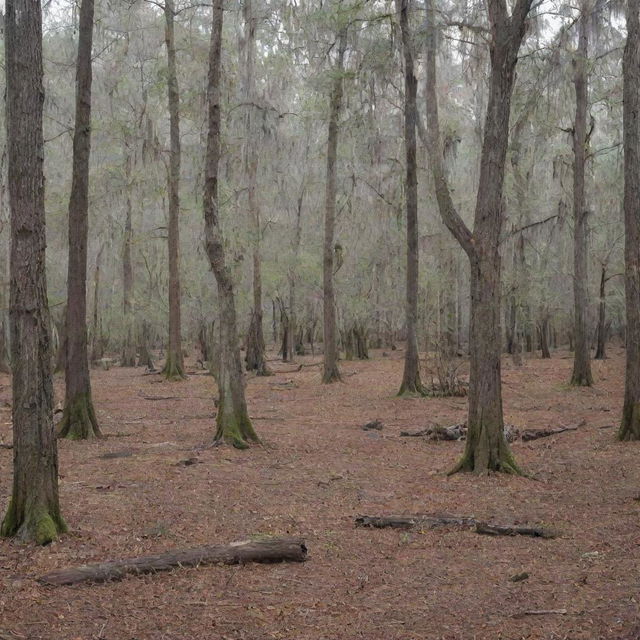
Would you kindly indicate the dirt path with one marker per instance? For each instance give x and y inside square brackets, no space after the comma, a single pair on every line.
[318,470]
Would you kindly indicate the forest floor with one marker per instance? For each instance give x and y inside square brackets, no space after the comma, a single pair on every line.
[318,470]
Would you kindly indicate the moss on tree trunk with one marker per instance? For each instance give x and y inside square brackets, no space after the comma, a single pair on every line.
[487,450]
[35,523]
[79,421]
[172,369]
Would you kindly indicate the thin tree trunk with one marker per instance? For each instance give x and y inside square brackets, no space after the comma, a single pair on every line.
[331,373]
[411,383]
[34,510]
[255,356]
[581,375]
[129,346]
[486,448]
[233,423]
[601,331]
[630,424]
[96,341]
[79,421]
[174,364]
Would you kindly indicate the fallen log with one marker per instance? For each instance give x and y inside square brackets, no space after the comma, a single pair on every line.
[534,434]
[467,522]
[272,550]
[408,522]
[541,612]
[491,529]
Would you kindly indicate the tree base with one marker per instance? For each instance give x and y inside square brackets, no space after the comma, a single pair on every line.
[630,426]
[173,370]
[236,431]
[413,389]
[481,456]
[331,374]
[79,421]
[581,379]
[39,525]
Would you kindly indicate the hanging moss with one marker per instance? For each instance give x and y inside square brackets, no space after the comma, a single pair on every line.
[79,421]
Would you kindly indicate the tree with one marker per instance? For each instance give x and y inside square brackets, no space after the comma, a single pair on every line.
[581,375]
[255,357]
[79,420]
[411,383]
[34,509]
[233,423]
[129,346]
[174,365]
[330,372]
[486,448]
[630,425]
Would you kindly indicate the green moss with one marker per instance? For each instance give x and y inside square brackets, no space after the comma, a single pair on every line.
[630,424]
[172,369]
[79,421]
[39,526]
[235,430]
[9,523]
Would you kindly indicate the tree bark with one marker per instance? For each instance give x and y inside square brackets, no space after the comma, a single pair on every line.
[174,364]
[255,356]
[97,350]
[34,511]
[79,420]
[233,423]
[129,345]
[581,375]
[411,383]
[630,424]
[601,331]
[486,448]
[331,373]
[272,550]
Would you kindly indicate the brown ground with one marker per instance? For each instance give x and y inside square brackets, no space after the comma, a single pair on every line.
[317,471]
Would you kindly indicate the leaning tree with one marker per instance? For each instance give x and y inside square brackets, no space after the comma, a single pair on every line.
[233,422]
[486,447]
[34,510]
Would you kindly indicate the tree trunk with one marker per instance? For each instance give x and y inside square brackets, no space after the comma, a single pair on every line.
[255,355]
[331,373]
[601,331]
[486,448]
[34,511]
[233,423]
[270,550]
[411,383]
[129,345]
[630,424]
[543,332]
[174,364]
[97,350]
[581,375]
[79,421]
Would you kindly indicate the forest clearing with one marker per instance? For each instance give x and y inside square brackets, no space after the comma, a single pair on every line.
[133,493]
[274,280]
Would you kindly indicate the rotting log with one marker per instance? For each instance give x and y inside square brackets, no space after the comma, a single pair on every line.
[408,522]
[491,529]
[271,550]
[466,522]
[534,434]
